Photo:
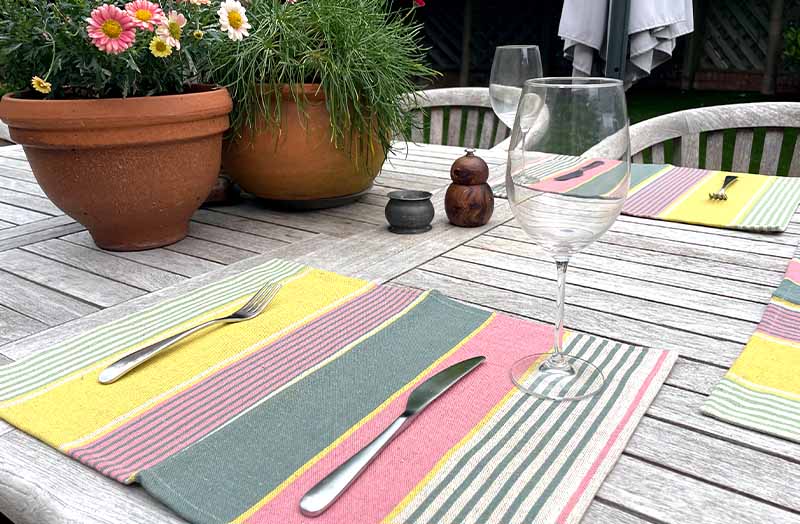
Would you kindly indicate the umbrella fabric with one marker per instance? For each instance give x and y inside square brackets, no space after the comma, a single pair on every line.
[653,28]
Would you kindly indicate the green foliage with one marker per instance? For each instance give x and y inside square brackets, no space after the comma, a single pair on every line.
[365,56]
[791,46]
[49,39]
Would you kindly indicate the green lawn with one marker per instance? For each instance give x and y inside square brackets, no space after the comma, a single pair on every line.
[644,103]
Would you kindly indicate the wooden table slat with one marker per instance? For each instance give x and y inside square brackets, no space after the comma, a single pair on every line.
[71,281]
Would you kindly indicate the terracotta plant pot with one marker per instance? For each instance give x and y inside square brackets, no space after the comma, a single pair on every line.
[300,168]
[134,170]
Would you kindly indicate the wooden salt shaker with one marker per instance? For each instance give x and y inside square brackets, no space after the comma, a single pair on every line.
[469,201]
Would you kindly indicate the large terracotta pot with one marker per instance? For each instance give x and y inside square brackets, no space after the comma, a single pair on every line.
[134,170]
[300,167]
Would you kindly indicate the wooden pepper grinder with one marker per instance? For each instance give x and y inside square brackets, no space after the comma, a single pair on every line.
[469,201]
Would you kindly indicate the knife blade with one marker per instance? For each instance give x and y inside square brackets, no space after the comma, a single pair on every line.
[578,172]
[326,491]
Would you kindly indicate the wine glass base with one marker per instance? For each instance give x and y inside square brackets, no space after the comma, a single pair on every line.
[564,378]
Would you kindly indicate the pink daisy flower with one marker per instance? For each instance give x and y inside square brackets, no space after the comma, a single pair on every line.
[146,14]
[171,29]
[111,29]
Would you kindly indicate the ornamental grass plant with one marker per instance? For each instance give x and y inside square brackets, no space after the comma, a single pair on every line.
[77,49]
[365,55]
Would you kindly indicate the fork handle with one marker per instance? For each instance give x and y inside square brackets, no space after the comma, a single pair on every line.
[140,356]
[729,180]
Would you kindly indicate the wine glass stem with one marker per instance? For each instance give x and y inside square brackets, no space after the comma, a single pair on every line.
[557,359]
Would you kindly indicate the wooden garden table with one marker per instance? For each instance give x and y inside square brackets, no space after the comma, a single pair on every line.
[692,289]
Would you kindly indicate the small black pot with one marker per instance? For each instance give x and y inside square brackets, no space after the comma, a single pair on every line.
[409,212]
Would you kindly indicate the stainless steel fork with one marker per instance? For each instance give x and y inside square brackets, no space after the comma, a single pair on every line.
[254,307]
[721,195]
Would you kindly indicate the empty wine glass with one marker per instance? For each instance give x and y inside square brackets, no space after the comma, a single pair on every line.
[567,179]
[512,66]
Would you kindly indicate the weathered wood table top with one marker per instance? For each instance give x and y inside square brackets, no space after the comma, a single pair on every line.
[695,290]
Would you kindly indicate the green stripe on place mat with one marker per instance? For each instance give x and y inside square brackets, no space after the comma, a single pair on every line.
[79,352]
[736,412]
[582,411]
[510,423]
[602,184]
[788,291]
[783,408]
[775,208]
[274,439]
[642,172]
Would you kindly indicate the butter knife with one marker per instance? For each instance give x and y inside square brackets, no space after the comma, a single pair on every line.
[326,491]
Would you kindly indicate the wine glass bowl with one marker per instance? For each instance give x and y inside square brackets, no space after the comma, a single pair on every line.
[511,67]
[567,177]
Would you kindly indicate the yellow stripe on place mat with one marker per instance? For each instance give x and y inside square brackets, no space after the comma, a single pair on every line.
[121,420]
[56,415]
[761,388]
[695,206]
[770,363]
[785,303]
[319,456]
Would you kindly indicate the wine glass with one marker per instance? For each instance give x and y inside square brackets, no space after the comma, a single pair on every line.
[512,66]
[567,179]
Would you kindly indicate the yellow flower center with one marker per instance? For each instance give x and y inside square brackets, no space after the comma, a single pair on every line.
[234,19]
[161,46]
[111,28]
[174,30]
[143,15]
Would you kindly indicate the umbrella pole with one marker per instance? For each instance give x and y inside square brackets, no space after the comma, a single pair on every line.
[617,38]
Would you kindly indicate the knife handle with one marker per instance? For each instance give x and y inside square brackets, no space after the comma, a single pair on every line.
[327,490]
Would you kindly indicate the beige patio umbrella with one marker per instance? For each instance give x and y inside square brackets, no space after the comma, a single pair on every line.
[597,28]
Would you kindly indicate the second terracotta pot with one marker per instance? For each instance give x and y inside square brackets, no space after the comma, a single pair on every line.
[300,167]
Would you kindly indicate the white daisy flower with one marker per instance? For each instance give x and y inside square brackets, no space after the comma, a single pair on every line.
[232,18]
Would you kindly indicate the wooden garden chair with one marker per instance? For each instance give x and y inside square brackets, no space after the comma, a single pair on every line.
[744,138]
[459,116]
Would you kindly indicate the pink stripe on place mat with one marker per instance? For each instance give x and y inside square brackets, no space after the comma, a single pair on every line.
[661,193]
[418,449]
[780,322]
[573,500]
[793,271]
[185,418]
[551,185]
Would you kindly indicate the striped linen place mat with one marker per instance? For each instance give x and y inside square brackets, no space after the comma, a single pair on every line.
[237,423]
[761,391]
[677,194]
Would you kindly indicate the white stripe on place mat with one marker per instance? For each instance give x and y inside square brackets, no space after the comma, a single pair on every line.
[577,504]
[80,351]
[578,453]
[514,443]
[728,413]
[445,486]
[761,403]
[775,208]
[742,406]
[549,468]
